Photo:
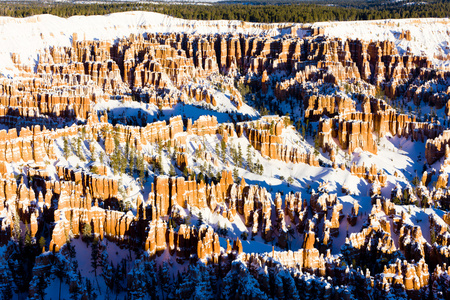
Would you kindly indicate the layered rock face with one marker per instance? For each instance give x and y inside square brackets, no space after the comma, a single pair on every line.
[359,130]
[265,136]
[92,149]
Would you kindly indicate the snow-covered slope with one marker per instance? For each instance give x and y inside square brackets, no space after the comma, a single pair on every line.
[429,37]
[26,35]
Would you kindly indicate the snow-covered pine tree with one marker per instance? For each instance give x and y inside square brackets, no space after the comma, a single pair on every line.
[248,286]
[40,285]
[278,288]
[95,256]
[6,283]
[189,281]
[166,282]
[289,288]
[203,289]
[90,291]
[229,286]
[213,279]
[136,288]
[107,269]
[200,221]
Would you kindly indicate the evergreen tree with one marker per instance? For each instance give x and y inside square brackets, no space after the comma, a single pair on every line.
[217,150]
[200,221]
[66,150]
[249,158]
[117,279]
[239,156]
[90,290]
[260,168]
[6,283]
[203,289]
[248,285]
[189,282]
[92,151]
[95,256]
[87,232]
[131,162]
[41,285]
[42,242]
[316,145]
[137,285]
[17,231]
[289,288]
[279,290]
[141,167]
[75,292]
[235,175]
[164,277]
[172,171]
[107,270]
[79,149]
[223,146]
[58,268]
[229,286]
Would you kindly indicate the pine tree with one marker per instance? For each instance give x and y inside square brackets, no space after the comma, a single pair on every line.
[248,285]
[87,231]
[108,271]
[229,286]
[123,162]
[90,290]
[58,268]
[217,150]
[117,163]
[223,146]
[235,175]
[42,242]
[200,221]
[92,151]
[117,279]
[249,158]
[260,168]
[141,168]
[6,282]
[75,292]
[17,231]
[239,156]
[279,290]
[79,149]
[316,145]
[189,282]
[41,285]
[164,276]
[290,289]
[131,163]
[65,148]
[137,285]
[95,256]
[203,289]
[172,171]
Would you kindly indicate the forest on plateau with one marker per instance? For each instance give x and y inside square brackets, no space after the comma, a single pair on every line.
[260,11]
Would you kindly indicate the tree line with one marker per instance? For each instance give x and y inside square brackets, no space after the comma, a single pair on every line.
[299,12]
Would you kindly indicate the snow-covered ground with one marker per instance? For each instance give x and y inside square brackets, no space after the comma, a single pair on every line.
[27,35]
[429,37]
